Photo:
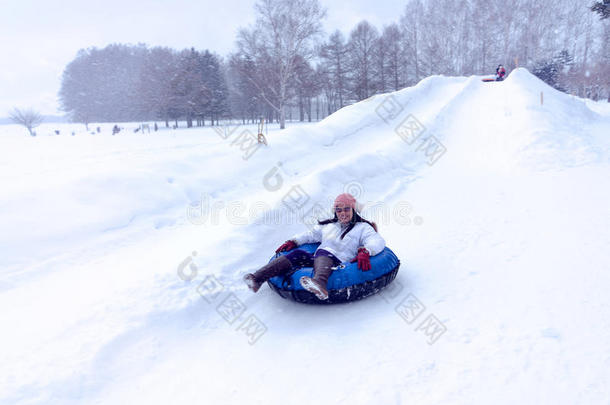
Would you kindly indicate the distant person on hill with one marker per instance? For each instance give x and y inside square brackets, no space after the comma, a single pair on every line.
[500,73]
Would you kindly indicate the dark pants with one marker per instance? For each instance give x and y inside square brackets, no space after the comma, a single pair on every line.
[322,263]
[300,258]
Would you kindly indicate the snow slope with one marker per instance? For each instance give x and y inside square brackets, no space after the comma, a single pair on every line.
[496,204]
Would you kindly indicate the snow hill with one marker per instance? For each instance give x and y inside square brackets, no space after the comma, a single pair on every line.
[121,257]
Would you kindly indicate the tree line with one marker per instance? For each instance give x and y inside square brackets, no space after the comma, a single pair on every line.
[132,83]
[284,66]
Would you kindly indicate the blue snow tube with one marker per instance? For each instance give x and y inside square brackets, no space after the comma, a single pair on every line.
[346,283]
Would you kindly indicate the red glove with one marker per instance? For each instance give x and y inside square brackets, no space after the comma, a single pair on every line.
[286,246]
[363,258]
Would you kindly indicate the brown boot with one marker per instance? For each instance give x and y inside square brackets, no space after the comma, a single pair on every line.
[322,267]
[277,266]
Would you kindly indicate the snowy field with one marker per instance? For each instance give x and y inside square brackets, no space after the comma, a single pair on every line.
[121,256]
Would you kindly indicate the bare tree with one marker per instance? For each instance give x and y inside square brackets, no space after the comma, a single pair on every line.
[29,118]
[411,24]
[306,87]
[605,57]
[362,43]
[392,39]
[284,31]
[380,65]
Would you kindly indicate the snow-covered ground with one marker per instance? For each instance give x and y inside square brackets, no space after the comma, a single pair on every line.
[121,256]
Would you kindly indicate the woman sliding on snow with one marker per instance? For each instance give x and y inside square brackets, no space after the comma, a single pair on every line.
[347,235]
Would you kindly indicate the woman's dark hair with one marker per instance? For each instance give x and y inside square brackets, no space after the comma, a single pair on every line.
[355,218]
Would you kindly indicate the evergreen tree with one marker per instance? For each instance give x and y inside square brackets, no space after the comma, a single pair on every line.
[602,8]
[159,69]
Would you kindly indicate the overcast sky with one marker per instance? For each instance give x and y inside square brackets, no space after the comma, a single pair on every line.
[38,38]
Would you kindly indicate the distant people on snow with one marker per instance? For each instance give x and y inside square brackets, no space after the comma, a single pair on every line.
[500,73]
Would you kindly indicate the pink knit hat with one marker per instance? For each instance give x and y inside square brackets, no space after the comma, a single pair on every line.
[346,200]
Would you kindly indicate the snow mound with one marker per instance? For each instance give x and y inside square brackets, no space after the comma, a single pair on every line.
[122,258]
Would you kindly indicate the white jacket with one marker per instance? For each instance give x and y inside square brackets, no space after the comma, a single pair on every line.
[329,236]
